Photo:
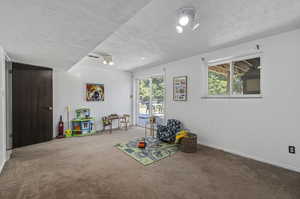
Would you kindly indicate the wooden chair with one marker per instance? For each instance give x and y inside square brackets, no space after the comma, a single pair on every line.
[124,121]
[107,122]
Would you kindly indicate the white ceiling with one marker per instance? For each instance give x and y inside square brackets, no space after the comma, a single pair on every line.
[58,33]
[151,32]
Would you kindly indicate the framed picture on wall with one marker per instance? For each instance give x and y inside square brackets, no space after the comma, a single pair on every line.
[94,92]
[180,88]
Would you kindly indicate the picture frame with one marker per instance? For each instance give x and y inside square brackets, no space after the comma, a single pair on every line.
[180,88]
[94,92]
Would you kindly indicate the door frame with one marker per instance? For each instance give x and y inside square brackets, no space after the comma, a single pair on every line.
[8,103]
[137,90]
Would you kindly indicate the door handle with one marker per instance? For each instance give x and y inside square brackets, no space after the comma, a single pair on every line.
[50,108]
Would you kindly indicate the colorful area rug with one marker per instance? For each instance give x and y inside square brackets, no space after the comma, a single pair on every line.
[155,150]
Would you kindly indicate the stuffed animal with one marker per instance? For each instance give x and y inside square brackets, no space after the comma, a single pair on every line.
[180,135]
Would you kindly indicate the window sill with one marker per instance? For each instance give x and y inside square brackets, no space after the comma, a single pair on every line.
[234,97]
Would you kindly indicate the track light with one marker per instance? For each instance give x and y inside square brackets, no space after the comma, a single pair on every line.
[183,20]
[179,29]
[186,16]
[106,58]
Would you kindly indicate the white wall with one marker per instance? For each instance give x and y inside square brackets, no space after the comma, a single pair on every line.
[261,129]
[2,110]
[69,89]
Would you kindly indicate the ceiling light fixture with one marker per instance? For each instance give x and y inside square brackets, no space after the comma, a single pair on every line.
[106,58]
[179,29]
[184,20]
[186,16]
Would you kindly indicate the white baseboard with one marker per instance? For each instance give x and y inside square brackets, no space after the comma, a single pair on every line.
[7,157]
[8,154]
[252,157]
[1,166]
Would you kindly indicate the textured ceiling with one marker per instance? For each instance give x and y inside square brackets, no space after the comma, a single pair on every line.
[58,33]
[151,32]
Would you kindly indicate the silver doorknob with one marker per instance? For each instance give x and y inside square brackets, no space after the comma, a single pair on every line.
[50,108]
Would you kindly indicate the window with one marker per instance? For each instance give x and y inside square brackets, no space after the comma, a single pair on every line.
[150,100]
[235,78]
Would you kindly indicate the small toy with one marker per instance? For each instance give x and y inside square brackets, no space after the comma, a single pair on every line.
[68,133]
[142,144]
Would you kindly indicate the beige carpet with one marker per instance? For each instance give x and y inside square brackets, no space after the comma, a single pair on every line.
[90,168]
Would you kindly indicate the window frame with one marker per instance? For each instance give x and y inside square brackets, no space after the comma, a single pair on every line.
[230,61]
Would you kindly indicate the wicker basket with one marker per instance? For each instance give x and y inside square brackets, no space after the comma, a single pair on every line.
[189,144]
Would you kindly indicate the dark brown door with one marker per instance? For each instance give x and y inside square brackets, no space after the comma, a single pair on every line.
[32,104]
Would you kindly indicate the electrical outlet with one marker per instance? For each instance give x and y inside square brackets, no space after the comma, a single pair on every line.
[292,149]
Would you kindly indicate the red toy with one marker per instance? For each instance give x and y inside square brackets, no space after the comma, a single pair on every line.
[142,144]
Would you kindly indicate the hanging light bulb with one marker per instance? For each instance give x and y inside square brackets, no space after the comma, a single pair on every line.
[184,20]
[179,29]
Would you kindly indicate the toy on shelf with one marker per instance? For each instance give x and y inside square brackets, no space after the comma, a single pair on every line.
[83,124]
